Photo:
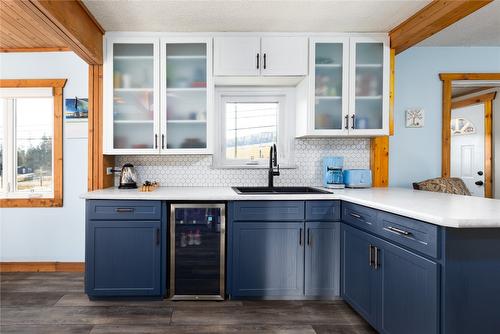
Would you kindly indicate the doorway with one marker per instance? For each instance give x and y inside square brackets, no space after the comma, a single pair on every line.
[470,116]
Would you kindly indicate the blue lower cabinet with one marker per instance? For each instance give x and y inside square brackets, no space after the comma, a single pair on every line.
[123,258]
[410,292]
[360,280]
[394,289]
[322,258]
[267,259]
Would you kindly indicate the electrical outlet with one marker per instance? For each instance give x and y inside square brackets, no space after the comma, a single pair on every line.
[109,170]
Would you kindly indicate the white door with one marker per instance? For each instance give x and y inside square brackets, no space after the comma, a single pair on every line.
[237,56]
[467,147]
[284,56]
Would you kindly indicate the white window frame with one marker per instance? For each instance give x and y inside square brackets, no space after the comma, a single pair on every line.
[9,158]
[285,96]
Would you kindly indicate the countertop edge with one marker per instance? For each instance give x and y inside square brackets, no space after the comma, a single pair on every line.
[227,194]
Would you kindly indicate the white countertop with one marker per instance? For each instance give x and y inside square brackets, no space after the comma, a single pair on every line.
[436,208]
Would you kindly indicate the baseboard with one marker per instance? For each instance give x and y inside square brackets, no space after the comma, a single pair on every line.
[12,267]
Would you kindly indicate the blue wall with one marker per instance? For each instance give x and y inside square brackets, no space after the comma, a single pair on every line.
[415,154]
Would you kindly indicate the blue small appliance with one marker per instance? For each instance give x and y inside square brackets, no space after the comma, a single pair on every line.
[332,172]
[358,178]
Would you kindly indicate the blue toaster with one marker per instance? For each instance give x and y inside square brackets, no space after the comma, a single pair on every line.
[358,178]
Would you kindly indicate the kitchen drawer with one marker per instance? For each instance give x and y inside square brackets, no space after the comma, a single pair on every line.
[360,216]
[123,210]
[323,210]
[413,234]
[268,211]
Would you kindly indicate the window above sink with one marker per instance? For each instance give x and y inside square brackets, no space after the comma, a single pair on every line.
[250,120]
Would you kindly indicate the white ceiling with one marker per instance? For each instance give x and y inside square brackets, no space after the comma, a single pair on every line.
[253,15]
[481,28]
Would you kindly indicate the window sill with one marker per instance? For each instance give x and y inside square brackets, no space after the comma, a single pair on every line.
[31,202]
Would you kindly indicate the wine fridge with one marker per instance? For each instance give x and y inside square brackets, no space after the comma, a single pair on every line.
[197,251]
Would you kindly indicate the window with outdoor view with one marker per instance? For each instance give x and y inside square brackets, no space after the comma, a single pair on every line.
[29,143]
[250,122]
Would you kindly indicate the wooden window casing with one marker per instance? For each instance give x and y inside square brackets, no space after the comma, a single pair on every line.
[57,86]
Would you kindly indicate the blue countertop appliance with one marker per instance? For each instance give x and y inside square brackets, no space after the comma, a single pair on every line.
[332,172]
[358,178]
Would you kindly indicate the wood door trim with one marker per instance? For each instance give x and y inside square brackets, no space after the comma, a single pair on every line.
[478,99]
[11,267]
[447,79]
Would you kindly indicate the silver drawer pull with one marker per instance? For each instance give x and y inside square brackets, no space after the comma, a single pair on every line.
[399,231]
[355,215]
[124,209]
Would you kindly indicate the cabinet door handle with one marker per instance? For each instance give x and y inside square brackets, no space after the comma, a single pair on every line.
[162,142]
[122,210]
[355,215]
[258,61]
[300,237]
[346,122]
[157,236]
[398,231]
[376,263]
[156,141]
[264,61]
[353,123]
[308,236]
[370,255]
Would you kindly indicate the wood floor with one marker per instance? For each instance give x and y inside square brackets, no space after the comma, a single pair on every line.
[55,303]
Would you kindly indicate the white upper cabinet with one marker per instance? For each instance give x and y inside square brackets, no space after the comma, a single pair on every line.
[347,93]
[284,56]
[237,56]
[186,95]
[131,96]
[158,96]
[255,55]
[369,86]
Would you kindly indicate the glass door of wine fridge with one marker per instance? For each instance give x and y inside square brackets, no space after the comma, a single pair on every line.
[197,251]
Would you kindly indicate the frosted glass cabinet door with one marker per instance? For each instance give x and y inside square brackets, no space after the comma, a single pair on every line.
[369,105]
[133,84]
[329,66]
[185,87]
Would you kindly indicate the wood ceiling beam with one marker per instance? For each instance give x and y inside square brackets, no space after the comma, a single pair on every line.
[73,23]
[431,19]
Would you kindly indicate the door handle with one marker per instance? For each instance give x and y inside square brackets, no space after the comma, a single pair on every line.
[258,61]
[157,236]
[479,183]
[370,255]
[300,237]
[308,236]
[162,142]
[352,125]
[376,263]
[264,61]
[156,141]
[346,122]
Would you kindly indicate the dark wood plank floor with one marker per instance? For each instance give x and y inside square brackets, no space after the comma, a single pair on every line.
[55,303]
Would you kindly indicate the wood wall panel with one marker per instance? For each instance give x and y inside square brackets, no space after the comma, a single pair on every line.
[488,149]
[97,162]
[431,19]
[20,31]
[11,267]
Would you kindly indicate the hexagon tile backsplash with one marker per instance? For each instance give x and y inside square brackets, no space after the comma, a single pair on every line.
[197,170]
